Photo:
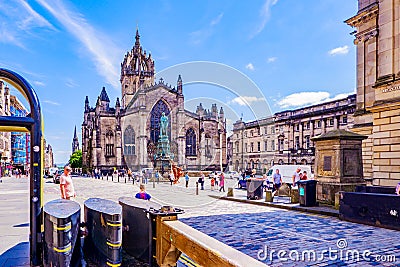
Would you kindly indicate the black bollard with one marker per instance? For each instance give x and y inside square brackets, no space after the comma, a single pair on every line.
[104,232]
[197,188]
[62,243]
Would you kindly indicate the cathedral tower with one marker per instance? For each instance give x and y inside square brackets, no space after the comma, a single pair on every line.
[137,69]
[75,142]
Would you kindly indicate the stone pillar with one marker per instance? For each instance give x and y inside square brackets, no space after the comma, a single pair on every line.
[338,163]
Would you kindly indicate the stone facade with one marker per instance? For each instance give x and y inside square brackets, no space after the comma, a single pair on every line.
[377,39]
[285,137]
[126,136]
[5,137]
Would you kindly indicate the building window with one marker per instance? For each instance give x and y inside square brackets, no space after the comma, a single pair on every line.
[251,133]
[297,142]
[297,127]
[259,131]
[318,124]
[273,145]
[280,144]
[281,128]
[308,125]
[190,142]
[129,141]
[251,147]
[265,130]
[272,129]
[331,122]
[237,136]
[245,147]
[344,120]
[307,140]
[245,133]
[259,146]
[237,147]
[266,146]
[208,146]
[156,113]
[109,152]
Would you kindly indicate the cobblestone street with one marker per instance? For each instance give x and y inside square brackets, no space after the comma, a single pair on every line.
[255,230]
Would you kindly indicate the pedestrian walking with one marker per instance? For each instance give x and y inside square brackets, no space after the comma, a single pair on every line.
[398,189]
[221,182]
[129,174]
[277,180]
[296,177]
[66,185]
[171,177]
[187,179]
[201,180]
[157,176]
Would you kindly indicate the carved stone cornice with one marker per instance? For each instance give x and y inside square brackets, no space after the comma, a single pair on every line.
[363,16]
[366,35]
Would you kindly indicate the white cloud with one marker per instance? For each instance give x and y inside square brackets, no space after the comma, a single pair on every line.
[71,83]
[245,100]
[104,53]
[51,102]
[250,66]
[34,19]
[199,36]
[271,59]
[308,98]
[19,22]
[216,20]
[343,50]
[265,14]
[39,83]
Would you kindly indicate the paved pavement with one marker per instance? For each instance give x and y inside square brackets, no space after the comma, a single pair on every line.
[252,229]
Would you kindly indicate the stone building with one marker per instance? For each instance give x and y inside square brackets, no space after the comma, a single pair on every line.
[20,145]
[5,137]
[285,137]
[377,115]
[126,135]
[75,142]
[253,144]
[48,156]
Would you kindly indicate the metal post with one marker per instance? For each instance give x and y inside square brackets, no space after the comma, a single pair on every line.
[154,180]
[33,124]
[197,188]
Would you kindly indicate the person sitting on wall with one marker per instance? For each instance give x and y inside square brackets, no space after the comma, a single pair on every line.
[142,194]
[398,189]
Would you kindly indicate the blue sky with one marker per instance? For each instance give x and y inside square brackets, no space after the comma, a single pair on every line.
[296,52]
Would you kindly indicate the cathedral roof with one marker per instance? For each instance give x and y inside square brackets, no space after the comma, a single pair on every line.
[104,96]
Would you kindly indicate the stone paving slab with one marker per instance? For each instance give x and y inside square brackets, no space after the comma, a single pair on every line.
[244,226]
[292,232]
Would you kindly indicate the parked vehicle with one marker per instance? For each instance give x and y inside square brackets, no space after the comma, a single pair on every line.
[287,172]
[52,172]
[56,178]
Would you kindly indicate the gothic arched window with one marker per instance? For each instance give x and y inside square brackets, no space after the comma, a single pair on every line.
[129,141]
[155,116]
[190,142]
[109,144]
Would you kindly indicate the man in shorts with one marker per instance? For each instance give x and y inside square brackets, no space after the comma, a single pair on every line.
[66,185]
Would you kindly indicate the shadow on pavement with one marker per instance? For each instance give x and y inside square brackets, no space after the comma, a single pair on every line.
[18,255]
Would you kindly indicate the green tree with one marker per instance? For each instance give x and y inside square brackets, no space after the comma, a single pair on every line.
[76,159]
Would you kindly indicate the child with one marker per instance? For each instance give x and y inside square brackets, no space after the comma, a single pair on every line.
[142,194]
[212,184]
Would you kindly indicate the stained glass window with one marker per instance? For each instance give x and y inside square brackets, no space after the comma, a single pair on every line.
[155,116]
[190,142]
[129,141]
